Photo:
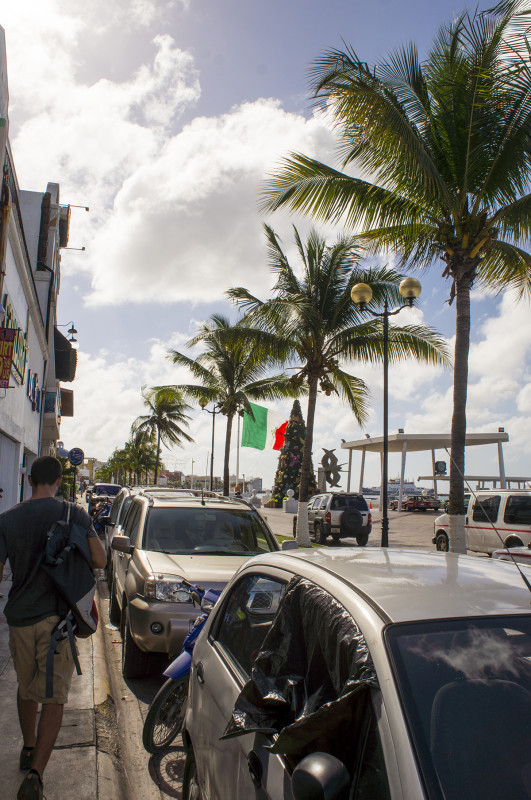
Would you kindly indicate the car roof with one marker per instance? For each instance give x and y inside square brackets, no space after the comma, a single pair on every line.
[161,500]
[407,585]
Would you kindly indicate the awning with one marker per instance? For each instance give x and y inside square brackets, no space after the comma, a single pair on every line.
[65,358]
[67,402]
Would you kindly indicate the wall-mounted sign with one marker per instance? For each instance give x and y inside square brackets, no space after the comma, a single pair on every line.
[7,344]
[33,391]
[20,350]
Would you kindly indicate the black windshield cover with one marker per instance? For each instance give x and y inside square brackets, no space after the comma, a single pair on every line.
[309,682]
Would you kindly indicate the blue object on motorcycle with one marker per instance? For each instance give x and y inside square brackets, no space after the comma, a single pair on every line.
[180,666]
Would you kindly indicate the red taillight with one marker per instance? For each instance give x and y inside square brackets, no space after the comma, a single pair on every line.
[369,519]
[328,517]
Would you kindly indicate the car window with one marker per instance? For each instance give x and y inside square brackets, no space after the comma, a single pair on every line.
[311,503]
[486,508]
[465,686]
[345,501]
[204,530]
[246,617]
[125,508]
[115,508]
[371,779]
[131,521]
[518,510]
[323,503]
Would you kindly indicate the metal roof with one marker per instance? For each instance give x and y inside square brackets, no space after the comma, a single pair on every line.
[421,441]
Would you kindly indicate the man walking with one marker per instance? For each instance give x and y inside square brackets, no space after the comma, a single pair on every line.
[32,611]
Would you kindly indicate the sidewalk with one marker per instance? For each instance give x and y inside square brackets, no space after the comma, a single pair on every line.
[72,772]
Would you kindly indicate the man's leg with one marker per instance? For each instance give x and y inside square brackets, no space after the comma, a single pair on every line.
[27,715]
[47,732]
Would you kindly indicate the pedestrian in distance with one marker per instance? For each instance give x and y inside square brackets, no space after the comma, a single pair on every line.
[32,611]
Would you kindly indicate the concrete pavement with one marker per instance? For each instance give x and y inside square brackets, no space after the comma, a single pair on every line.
[77,770]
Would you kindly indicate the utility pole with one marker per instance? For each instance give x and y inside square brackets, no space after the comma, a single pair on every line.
[192,477]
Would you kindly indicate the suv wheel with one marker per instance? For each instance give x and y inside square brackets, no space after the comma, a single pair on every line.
[441,542]
[362,539]
[320,534]
[135,663]
[294,527]
[351,522]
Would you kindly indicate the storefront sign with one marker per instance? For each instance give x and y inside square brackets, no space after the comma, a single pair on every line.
[20,350]
[7,344]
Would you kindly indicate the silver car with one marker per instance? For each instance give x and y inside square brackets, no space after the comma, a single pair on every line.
[363,675]
[166,537]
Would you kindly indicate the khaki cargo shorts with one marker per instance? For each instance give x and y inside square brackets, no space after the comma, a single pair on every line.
[29,647]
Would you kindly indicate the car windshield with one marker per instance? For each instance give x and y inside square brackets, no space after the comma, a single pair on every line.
[207,530]
[104,488]
[466,690]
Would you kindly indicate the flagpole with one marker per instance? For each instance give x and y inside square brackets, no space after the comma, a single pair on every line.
[238,452]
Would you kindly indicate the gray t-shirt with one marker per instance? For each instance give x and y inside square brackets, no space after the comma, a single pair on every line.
[23,530]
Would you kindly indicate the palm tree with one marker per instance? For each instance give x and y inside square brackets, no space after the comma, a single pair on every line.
[231,372]
[165,420]
[312,321]
[447,143]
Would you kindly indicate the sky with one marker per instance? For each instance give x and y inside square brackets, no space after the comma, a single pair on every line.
[165,117]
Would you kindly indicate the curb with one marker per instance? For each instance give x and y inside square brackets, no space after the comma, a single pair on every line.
[108,766]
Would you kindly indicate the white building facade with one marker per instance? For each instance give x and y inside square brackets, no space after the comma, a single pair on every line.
[33,228]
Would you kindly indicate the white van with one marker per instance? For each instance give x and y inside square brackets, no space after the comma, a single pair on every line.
[494,518]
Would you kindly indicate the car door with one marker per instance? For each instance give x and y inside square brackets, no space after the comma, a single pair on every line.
[239,768]
[121,560]
[481,533]
[517,517]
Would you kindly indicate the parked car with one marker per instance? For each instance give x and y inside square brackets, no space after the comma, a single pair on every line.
[164,538]
[362,674]
[493,519]
[411,502]
[340,515]
[100,492]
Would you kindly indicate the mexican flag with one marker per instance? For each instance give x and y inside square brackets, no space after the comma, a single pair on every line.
[266,431]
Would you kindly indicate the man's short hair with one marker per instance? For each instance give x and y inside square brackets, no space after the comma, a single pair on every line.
[46,469]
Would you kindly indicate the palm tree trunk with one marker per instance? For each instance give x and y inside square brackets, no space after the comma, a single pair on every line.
[303,534]
[456,531]
[157,458]
[226,477]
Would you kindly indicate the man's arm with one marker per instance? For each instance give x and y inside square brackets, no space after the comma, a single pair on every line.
[97,552]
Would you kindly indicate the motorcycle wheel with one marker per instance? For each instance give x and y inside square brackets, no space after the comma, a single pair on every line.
[165,716]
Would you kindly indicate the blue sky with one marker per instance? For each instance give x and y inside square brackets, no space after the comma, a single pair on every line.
[164,116]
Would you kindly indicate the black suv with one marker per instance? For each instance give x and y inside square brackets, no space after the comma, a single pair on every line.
[341,515]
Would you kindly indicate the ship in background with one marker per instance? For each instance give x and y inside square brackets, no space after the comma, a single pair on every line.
[393,487]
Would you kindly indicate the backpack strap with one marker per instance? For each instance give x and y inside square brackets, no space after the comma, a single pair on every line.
[62,630]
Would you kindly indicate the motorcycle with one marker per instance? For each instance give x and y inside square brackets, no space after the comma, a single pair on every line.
[166,712]
[100,514]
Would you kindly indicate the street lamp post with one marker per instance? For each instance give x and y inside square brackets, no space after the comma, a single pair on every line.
[214,411]
[361,294]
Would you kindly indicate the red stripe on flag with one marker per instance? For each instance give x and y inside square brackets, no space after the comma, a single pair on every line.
[280,435]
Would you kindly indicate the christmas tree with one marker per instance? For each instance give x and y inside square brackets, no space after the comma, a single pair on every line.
[289,461]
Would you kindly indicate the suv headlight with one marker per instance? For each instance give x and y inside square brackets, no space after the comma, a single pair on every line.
[167,588]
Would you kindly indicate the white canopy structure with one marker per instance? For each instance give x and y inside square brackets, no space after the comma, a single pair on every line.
[414,442]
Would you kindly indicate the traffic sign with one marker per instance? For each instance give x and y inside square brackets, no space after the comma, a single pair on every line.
[76,456]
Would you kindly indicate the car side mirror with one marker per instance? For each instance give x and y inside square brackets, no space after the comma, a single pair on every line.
[122,544]
[320,776]
[289,544]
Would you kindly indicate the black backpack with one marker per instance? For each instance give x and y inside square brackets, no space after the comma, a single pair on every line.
[68,564]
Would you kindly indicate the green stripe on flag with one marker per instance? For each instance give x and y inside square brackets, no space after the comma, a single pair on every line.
[254,432]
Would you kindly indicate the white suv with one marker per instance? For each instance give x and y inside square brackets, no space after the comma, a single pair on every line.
[492,518]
